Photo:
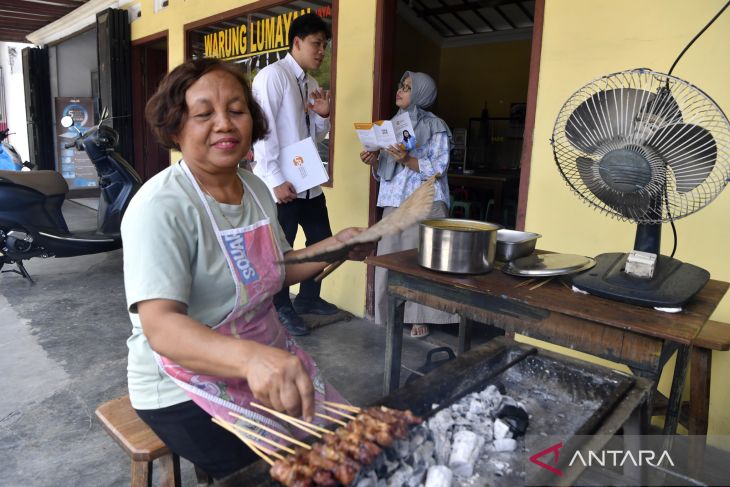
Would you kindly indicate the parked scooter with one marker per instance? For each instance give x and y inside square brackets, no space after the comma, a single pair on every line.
[31,222]
[10,160]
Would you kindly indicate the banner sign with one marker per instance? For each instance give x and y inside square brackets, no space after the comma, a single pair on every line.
[251,35]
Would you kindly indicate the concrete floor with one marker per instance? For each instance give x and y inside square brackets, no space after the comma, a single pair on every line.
[63,352]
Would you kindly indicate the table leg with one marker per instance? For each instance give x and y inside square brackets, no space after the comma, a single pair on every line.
[699,406]
[393,344]
[464,335]
[675,396]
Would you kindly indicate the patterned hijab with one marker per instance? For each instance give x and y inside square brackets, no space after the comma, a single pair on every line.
[425,123]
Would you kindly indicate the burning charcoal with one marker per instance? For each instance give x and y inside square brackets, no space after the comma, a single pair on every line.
[441,421]
[439,476]
[367,480]
[423,454]
[501,430]
[464,453]
[484,428]
[417,436]
[513,414]
[491,396]
[442,446]
[505,444]
[391,466]
[400,477]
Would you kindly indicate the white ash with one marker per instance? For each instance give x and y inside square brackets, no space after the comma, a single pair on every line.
[464,444]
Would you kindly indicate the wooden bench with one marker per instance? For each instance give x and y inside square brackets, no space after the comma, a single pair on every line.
[140,443]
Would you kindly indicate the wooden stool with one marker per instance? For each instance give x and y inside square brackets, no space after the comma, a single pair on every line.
[140,443]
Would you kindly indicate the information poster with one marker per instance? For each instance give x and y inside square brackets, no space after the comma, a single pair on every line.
[74,165]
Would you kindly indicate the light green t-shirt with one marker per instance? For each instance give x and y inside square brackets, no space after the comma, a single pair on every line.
[171,252]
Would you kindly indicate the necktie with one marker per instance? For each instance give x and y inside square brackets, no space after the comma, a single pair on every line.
[305,101]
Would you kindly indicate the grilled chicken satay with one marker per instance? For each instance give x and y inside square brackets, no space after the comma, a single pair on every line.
[358,448]
[345,468]
[373,429]
[291,473]
[404,415]
[338,459]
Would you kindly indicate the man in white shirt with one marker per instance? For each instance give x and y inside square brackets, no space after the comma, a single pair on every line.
[296,108]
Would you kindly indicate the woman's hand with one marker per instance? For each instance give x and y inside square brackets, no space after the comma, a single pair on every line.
[398,152]
[276,377]
[360,251]
[279,380]
[369,157]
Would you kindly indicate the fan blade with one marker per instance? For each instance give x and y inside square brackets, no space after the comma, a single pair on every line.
[629,204]
[689,150]
[664,109]
[588,170]
[606,115]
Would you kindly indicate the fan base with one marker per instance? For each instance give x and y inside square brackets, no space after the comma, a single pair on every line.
[674,282]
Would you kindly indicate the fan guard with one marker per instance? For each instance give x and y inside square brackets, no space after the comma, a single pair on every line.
[643,146]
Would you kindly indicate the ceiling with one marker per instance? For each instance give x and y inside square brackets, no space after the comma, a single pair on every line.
[450,20]
[18,18]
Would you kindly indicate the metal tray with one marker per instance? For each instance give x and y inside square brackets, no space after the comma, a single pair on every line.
[513,244]
[543,265]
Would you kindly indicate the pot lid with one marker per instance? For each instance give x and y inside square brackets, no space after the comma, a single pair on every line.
[549,265]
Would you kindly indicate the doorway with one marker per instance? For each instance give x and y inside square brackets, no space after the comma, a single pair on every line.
[149,66]
[489,107]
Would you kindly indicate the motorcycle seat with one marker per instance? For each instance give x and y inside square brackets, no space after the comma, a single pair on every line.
[50,183]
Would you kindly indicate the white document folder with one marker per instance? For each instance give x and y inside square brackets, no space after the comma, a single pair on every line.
[301,165]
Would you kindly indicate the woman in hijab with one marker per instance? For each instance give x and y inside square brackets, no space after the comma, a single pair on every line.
[400,172]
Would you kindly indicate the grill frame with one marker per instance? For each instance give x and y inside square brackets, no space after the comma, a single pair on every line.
[485,365]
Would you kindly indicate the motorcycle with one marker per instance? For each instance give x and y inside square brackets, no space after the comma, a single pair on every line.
[31,221]
[10,160]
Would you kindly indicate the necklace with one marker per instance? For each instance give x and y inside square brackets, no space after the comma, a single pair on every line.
[217,204]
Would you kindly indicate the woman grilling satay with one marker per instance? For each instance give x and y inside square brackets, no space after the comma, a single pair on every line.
[202,248]
[401,170]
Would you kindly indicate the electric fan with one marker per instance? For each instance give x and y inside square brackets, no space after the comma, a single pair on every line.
[645,147]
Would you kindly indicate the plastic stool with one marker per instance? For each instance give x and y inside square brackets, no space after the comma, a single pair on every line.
[460,209]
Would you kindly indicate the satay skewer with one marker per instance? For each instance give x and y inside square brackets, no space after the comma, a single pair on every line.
[223,424]
[254,448]
[330,418]
[328,270]
[541,283]
[270,430]
[303,425]
[257,436]
[337,411]
[339,405]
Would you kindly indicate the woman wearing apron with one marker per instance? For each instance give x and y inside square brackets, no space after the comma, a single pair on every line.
[201,252]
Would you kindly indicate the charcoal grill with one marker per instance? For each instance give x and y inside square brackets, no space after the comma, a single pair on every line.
[565,397]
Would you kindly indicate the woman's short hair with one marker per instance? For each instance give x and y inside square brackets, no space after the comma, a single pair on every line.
[166,109]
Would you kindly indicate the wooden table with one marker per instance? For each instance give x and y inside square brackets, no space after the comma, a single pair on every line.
[642,338]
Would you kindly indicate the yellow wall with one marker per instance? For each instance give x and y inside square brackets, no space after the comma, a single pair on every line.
[495,74]
[347,201]
[585,40]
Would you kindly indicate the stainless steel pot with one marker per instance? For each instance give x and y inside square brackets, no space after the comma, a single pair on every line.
[458,246]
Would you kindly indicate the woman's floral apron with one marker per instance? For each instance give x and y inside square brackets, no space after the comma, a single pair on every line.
[253,257]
